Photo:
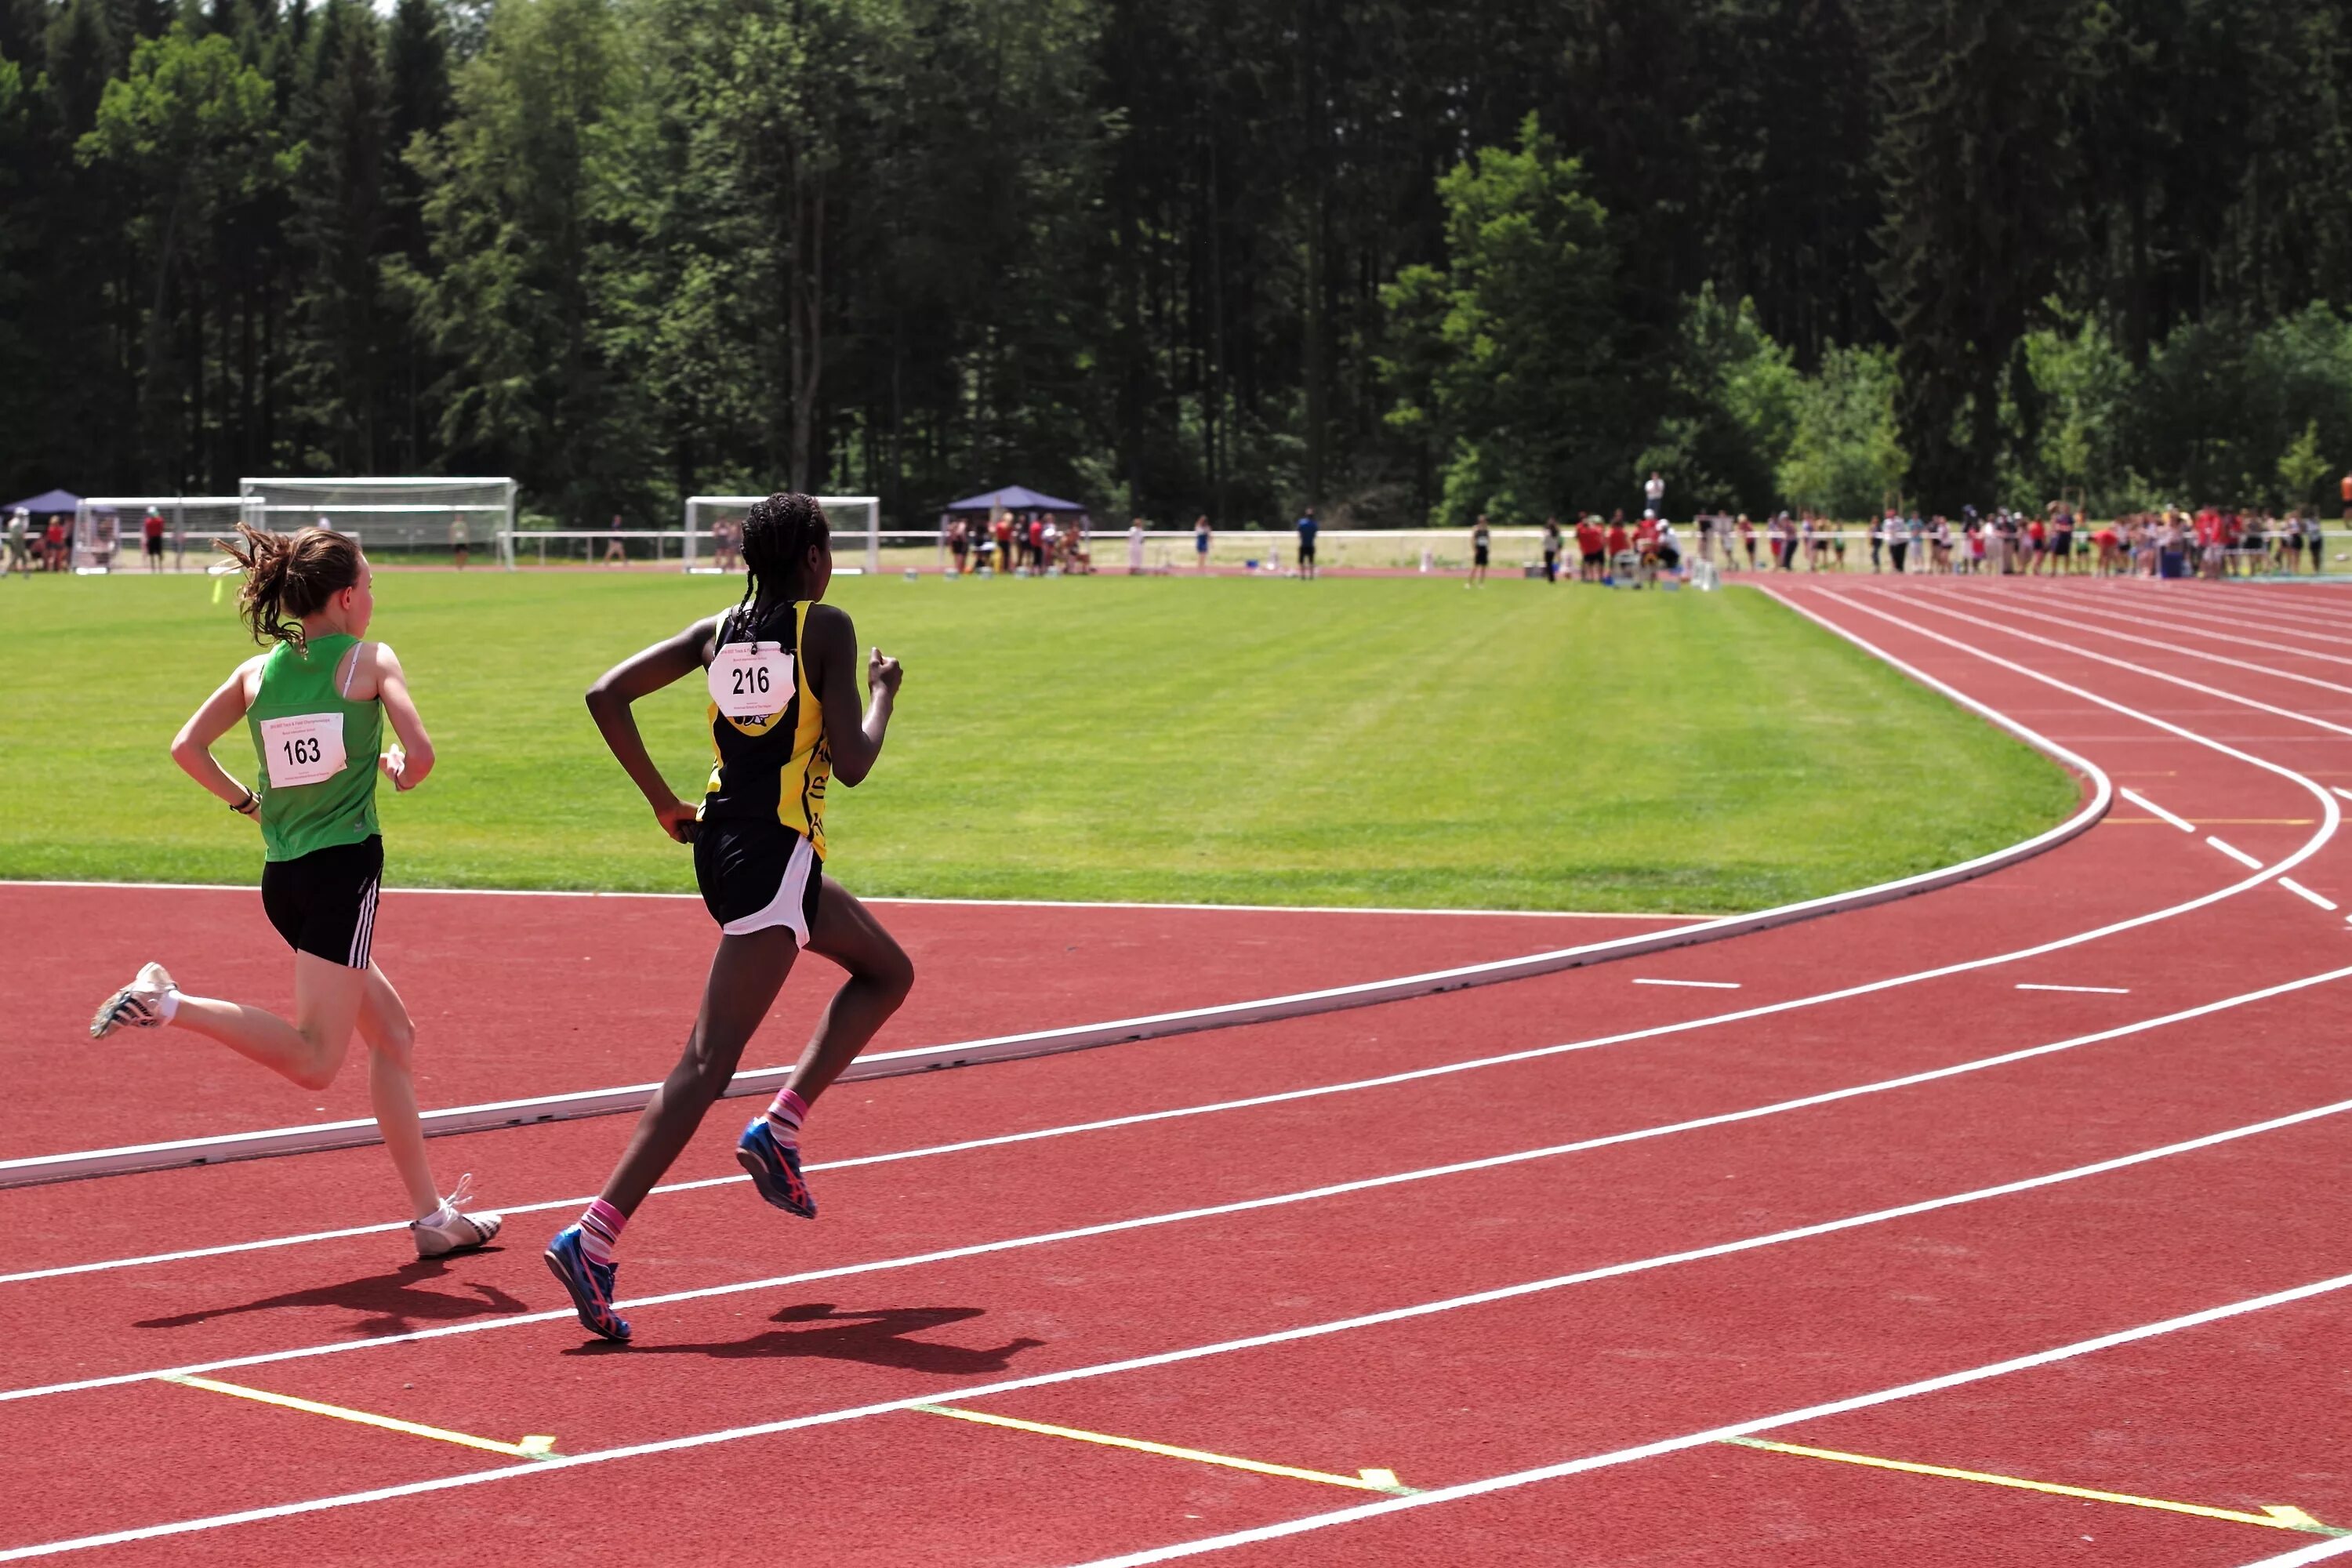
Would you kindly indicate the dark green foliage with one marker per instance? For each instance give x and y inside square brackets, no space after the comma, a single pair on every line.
[1180,255]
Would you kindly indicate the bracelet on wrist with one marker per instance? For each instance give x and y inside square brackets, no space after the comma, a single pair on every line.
[249,807]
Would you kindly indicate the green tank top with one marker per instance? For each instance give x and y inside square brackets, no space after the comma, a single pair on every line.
[316,749]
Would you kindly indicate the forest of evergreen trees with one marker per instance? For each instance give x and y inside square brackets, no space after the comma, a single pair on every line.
[1396,257]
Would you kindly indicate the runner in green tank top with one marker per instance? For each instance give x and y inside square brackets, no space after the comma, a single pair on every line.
[315,705]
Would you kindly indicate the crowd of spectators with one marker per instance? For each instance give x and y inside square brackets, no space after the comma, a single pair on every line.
[2211,543]
[1036,543]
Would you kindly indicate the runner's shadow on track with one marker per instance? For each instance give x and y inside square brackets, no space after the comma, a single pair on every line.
[393,1302]
[878,1338]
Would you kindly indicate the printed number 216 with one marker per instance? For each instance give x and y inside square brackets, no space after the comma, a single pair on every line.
[751,682]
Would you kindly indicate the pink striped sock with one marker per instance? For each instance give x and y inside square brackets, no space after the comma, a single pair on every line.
[600,1231]
[784,1116]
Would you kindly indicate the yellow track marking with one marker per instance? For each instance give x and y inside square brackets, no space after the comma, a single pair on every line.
[2273,1517]
[1362,1481]
[532,1447]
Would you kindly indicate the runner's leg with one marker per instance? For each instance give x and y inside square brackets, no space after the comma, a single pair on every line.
[392,1089]
[310,1050]
[746,972]
[880,975]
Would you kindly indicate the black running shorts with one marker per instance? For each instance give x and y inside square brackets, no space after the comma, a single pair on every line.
[755,874]
[324,902]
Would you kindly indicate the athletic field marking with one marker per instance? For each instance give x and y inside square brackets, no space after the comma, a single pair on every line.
[2275,1517]
[534,1448]
[2177,629]
[1434,1496]
[2010,606]
[2147,804]
[2319,1551]
[2305,894]
[555,1462]
[2101,990]
[2288,628]
[2309,848]
[1278,1200]
[2112,821]
[1362,1480]
[973,903]
[1696,985]
[2339,789]
[2234,853]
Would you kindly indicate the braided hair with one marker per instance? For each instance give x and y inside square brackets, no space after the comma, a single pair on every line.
[777,534]
[289,576]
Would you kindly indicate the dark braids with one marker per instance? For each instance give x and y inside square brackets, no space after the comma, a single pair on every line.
[777,534]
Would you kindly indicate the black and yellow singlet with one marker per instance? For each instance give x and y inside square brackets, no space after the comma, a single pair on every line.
[775,766]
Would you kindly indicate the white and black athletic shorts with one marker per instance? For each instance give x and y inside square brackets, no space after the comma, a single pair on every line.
[323,903]
[755,874]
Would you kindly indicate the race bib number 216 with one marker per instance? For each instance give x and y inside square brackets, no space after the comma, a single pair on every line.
[751,680]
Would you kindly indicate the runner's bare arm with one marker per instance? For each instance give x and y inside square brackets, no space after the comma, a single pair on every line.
[406,763]
[671,659]
[192,748]
[833,675]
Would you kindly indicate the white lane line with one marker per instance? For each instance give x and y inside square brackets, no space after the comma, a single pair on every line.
[2305,894]
[2101,990]
[1490,1484]
[2325,829]
[2176,611]
[2153,809]
[2319,1553]
[1278,1200]
[967,1394]
[2339,789]
[2236,640]
[2234,853]
[2008,606]
[1696,985]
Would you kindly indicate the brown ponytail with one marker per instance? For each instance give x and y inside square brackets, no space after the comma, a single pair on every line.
[289,575]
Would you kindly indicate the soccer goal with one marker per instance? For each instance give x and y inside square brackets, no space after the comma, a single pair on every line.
[388,514]
[714,528]
[111,532]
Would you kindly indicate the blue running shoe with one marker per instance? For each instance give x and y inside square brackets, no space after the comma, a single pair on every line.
[589,1282]
[776,1168]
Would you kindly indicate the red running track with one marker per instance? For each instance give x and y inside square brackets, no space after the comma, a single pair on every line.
[2165,1152]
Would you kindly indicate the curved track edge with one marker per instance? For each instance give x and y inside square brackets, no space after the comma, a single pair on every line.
[85,1164]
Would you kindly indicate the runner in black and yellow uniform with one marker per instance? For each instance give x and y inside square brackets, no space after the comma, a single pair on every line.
[781,672]
[316,705]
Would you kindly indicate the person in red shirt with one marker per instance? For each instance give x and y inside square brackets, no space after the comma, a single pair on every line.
[53,544]
[1590,543]
[1037,545]
[2209,543]
[1618,544]
[151,526]
[1003,529]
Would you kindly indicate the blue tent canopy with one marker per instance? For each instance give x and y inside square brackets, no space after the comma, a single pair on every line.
[1014,498]
[47,500]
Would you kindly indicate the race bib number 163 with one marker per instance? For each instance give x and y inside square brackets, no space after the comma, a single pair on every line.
[305,748]
[751,680]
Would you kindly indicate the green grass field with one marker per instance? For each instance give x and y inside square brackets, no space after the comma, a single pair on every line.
[1348,742]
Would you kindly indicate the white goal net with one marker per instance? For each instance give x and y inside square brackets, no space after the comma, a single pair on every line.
[111,532]
[423,516]
[714,529]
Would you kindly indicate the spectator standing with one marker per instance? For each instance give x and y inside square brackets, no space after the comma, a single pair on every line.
[150,526]
[1306,543]
[53,544]
[1592,549]
[1654,493]
[2313,540]
[1135,547]
[1551,549]
[1481,538]
[20,559]
[1619,545]
[1201,543]
[616,549]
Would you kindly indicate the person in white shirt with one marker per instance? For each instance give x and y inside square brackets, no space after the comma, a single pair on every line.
[1653,491]
[1135,547]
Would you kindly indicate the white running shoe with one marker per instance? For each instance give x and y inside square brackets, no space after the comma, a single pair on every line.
[138,1006]
[448,1230]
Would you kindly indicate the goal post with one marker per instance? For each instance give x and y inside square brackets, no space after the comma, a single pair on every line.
[109,531]
[415,512]
[713,525]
